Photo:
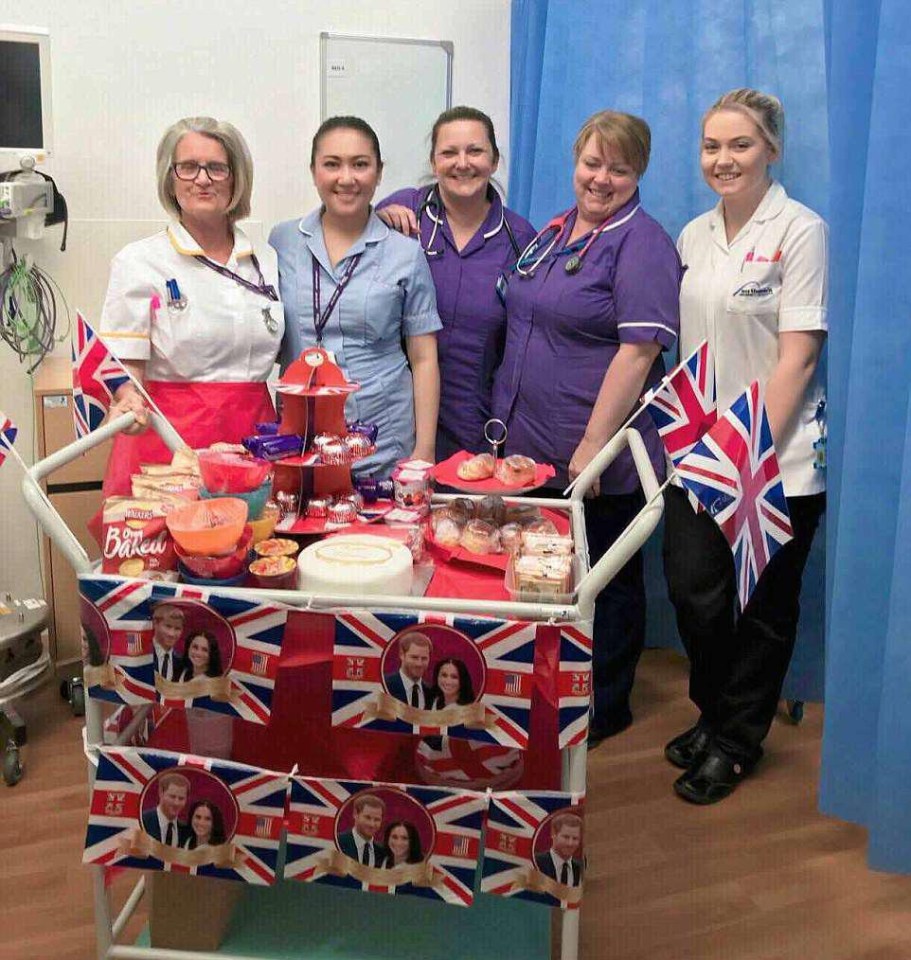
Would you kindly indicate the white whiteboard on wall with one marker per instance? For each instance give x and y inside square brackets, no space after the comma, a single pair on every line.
[398,86]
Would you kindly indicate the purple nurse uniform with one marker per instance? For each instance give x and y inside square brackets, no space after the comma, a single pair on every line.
[563,331]
[470,344]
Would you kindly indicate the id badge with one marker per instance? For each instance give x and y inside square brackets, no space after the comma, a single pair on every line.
[819,454]
[502,286]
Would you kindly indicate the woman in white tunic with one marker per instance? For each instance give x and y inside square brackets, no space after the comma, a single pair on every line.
[192,311]
[755,287]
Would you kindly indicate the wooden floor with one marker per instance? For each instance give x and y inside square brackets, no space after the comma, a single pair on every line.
[762,876]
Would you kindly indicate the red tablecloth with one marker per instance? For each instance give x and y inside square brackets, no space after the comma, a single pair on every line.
[300,730]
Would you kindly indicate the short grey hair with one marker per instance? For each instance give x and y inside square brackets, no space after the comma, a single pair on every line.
[238,157]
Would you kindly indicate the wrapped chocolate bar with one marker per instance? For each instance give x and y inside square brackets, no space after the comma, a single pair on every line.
[268,429]
[275,447]
[368,430]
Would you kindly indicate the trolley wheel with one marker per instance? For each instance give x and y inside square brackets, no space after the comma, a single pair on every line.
[12,765]
[77,698]
[795,711]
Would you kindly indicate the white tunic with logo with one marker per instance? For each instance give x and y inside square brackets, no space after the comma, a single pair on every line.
[771,278]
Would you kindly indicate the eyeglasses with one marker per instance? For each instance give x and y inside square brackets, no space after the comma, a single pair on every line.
[190,169]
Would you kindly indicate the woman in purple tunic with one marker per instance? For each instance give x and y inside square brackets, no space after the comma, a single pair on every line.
[586,324]
[469,237]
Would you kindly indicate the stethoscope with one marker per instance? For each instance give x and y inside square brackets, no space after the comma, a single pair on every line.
[576,253]
[432,205]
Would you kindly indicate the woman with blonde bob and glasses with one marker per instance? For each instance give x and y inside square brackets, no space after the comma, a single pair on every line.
[193,311]
[755,287]
[590,306]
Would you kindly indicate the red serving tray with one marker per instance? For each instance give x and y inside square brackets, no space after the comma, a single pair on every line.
[445,473]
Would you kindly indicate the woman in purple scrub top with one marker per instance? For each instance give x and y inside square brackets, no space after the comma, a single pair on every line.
[468,237]
[587,321]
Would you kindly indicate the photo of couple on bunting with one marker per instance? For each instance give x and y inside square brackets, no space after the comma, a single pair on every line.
[145,641]
[534,848]
[468,678]
[384,838]
[161,811]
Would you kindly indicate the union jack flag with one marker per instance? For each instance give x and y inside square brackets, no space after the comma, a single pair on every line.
[448,762]
[8,431]
[733,472]
[251,801]
[518,829]
[256,630]
[575,683]
[97,375]
[453,818]
[504,651]
[683,405]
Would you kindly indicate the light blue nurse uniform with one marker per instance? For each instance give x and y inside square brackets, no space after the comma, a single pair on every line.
[390,296]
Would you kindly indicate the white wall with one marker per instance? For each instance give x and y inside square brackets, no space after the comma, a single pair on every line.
[122,72]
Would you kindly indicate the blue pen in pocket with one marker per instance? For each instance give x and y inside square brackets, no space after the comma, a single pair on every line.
[176,301]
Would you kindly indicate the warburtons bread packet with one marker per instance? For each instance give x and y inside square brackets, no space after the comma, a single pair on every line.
[136,541]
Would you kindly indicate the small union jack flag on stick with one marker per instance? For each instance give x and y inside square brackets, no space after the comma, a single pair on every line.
[733,472]
[97,376]
[8,431]
[683,405]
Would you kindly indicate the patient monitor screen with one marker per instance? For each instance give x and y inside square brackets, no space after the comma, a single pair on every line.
[20,96]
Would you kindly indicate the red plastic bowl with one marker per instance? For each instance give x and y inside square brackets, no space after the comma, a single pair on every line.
[218,568]
[226,473]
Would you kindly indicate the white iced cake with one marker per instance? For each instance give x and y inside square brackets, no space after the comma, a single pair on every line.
[356,565]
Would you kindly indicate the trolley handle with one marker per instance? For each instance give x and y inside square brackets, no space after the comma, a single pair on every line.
[50,520]
[640,528]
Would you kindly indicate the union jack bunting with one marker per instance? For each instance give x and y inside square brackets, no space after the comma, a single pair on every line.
[522,829]
[444,859]
[97,375]
[245,690]
[246,809]
[575,683]
[8,431]
[118,613]
[683,405]
[733,472]
[116,617]
[498,655]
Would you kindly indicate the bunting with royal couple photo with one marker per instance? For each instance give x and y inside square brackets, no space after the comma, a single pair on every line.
[145,641]
[469,678]
[385,838]
[534,847]
[185,814]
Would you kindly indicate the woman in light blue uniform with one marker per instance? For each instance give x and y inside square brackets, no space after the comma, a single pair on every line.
[361,291]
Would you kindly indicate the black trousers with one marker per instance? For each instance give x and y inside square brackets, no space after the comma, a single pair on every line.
[737,663]
[618,635]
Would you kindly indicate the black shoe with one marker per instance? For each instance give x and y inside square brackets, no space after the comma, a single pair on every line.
[715,778]
[689,747]
[600,732]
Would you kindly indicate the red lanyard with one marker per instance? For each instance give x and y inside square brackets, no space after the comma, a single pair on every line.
[320,319]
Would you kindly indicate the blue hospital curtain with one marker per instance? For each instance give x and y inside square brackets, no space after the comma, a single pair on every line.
[668,62]
[866,772]
[841,69]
